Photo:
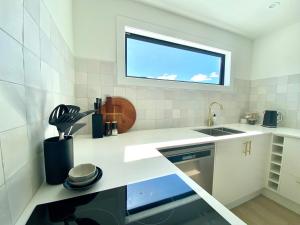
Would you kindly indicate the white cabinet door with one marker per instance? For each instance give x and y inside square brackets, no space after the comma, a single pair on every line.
[291,156]
[289,185]
[237,175]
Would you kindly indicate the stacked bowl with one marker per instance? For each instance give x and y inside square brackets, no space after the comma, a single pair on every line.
[83,176]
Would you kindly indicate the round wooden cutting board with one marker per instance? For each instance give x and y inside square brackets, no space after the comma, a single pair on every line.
[120,110]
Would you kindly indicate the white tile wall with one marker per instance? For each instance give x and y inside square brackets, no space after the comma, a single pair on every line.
[157,107]
[31,34]
[19,191]
[1,168]
[11,18]
[12,106]
[36,74]
[33,8]
[5,216]
[11,59]
[15,150]
[278,93]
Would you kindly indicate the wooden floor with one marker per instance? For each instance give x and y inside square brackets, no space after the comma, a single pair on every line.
[263,211]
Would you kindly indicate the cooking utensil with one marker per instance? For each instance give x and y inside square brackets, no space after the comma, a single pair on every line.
[73,129]
[56,113]
[67,120]
[73,108]
[65,116]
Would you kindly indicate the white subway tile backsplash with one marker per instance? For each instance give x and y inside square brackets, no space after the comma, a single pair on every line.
[93,79]
[33,8]
[81,78]
[45,20]
[11,59]
[35,100]
[29,90]
[15,150]
[176,113]
[12,106]
[31,34]
[93,66]
[32,66]
[158,107]
[107,68]
[2,179]
[81,91]
[11,18]
[46,77]
[19,190]
[37,171]
[93,91]
[5,216]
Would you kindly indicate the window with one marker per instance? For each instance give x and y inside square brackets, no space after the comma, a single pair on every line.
[151,58]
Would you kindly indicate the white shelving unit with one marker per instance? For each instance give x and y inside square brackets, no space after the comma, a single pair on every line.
[275,162]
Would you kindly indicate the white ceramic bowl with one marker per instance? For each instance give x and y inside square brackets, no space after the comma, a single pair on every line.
[82,172]
[83,183]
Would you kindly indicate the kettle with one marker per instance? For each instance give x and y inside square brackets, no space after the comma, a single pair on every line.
[271,118]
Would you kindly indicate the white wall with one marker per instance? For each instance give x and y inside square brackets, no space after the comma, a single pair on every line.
[95,31]
[62,14]
[95,25]
[277,54]
[36,74]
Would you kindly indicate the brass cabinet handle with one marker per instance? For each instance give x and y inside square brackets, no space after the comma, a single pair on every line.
[249,147]
[245,148]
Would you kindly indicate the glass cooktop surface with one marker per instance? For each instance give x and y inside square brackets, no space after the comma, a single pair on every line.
[166,200]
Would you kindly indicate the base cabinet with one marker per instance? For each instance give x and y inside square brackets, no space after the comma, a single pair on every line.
[240,167]
[289,185]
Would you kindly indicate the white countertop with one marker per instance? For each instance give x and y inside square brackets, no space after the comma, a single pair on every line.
[133,156]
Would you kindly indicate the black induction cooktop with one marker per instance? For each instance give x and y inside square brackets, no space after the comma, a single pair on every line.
[165,200]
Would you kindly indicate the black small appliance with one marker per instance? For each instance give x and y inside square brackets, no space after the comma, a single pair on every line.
[271,118]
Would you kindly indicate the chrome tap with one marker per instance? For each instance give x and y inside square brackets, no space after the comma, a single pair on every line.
[210,121]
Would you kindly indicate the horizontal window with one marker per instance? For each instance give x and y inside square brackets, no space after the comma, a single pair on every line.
[151,58]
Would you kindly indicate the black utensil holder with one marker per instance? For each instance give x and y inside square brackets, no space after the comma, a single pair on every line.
[59,159]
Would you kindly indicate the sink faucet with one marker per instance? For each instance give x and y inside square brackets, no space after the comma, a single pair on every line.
[210,116]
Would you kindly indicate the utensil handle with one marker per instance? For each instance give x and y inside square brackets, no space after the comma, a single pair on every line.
[279,117]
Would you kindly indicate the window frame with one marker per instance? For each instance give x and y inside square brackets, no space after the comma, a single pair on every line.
[178,46]
[125,24]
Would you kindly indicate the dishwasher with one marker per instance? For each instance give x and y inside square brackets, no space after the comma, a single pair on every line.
[196,161]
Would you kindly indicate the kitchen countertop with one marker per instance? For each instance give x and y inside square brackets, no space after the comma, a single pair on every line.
[133,157]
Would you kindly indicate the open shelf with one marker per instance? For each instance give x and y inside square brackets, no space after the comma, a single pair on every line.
[278,140]
[277,150]
[276,159]
[272,185]
[274,177]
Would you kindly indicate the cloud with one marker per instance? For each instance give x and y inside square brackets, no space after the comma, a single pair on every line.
[167,77]
[214,75]
[200,77]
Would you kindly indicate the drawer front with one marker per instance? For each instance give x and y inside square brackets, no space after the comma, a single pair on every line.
[290,186]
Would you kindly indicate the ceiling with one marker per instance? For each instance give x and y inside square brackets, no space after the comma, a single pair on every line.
[250,18]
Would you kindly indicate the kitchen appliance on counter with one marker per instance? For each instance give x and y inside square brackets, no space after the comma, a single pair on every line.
[272,118]
[165,200]
[197,161]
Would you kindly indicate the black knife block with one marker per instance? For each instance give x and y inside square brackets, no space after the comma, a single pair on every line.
[59,159]
[97,126]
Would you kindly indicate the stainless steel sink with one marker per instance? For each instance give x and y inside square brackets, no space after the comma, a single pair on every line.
[219,131]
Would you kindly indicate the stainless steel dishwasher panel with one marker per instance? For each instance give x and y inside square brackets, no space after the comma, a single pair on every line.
[196,161]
